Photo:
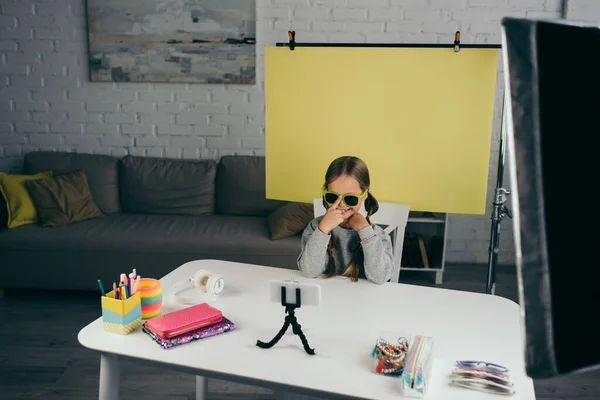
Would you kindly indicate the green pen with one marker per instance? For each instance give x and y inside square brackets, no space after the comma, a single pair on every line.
[101,288]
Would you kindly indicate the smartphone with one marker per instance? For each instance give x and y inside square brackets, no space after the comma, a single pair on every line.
[310,293]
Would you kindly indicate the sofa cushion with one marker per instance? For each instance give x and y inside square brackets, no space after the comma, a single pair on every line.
[101,172]
[76,256]
[63,199]
[19,204]
[155,185]
[150,233]
[241,187]
[290,219]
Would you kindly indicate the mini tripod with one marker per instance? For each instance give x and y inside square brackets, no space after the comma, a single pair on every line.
[290,319]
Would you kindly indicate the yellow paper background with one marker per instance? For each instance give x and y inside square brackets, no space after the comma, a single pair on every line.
[421,118]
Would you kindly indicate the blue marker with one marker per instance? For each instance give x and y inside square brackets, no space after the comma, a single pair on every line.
[101,288]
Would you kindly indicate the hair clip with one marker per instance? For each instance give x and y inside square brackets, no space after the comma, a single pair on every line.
[483,385]
[474,373]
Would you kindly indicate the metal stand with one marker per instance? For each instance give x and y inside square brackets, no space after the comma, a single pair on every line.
[290,319]
[500,210]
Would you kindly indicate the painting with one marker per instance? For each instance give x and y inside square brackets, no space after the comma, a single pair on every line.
[191,41]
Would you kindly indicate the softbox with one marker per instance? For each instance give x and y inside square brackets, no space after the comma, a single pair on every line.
[552,78]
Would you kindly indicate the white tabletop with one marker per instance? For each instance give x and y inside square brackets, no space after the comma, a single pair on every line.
[464,325]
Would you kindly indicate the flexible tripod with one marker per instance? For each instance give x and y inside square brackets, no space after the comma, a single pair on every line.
[290,319]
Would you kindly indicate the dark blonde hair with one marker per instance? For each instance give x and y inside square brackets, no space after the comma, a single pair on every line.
[356,168]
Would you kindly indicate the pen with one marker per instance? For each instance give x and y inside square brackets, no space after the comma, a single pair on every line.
[101,288]
[137,283]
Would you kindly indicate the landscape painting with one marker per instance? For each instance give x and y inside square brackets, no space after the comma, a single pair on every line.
[192,41]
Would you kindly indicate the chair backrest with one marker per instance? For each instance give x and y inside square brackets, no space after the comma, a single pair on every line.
[393,215]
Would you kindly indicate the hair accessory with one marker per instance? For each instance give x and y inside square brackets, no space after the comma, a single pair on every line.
[389,357]
[482,376]
[204,281]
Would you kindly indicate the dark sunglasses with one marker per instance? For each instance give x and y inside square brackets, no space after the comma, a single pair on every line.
[351,200]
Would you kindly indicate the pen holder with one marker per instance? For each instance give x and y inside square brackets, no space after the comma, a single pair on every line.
[121,316]
[150,291]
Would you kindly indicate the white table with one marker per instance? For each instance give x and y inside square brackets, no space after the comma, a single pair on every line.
[465,326]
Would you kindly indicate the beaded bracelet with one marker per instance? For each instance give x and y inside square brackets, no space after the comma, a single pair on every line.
[391,356]
[368,238]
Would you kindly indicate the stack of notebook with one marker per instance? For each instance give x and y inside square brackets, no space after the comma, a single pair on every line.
[186,325]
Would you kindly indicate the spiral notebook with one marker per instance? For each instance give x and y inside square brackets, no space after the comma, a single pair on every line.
[218,328]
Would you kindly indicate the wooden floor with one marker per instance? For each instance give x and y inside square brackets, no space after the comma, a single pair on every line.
[40,357]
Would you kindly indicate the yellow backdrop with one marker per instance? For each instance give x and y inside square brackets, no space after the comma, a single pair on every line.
[421,118]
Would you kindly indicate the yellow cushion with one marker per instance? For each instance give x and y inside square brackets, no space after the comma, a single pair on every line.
[19,205]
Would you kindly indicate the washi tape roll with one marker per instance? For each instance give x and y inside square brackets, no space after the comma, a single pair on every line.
[151,293]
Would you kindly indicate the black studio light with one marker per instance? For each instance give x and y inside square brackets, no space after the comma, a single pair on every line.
[552,73]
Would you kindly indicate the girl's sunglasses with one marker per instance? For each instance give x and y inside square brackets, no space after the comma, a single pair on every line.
[351,200]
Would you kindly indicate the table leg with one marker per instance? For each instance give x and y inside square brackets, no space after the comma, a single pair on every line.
[109,377]
[201,387]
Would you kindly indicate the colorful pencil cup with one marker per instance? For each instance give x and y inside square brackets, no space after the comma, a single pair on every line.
[151,292]
[121,316]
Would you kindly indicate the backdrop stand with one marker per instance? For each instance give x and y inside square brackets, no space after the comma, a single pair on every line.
[499,210]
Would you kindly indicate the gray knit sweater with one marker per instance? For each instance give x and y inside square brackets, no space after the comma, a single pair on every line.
[377,265]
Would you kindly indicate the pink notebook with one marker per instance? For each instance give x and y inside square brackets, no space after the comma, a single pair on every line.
[211,330]
[185,320]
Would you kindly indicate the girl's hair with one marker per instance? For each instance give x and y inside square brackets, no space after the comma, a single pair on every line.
[356,168]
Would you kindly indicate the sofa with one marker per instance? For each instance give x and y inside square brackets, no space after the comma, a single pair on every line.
[157,214]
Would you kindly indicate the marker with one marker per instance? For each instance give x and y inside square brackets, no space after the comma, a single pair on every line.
[101,288]
[137,283]
[131,282]
[457,41]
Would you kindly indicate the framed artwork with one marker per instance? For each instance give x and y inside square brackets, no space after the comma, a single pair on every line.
[191,41]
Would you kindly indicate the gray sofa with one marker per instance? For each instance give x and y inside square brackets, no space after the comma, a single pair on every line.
[158,214]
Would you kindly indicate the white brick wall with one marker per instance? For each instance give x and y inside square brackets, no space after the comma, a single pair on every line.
[46,101]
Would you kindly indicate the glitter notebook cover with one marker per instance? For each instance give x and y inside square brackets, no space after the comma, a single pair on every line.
[202,333]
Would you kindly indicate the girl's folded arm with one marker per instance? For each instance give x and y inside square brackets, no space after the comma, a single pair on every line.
[313,258]
[379,257]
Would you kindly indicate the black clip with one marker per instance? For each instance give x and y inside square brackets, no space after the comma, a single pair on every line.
[292,36]
[457,41]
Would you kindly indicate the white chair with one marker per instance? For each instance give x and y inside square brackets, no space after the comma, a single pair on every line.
[394,216]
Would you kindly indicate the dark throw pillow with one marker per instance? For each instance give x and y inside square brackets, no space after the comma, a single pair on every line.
[290,219]
[63,199]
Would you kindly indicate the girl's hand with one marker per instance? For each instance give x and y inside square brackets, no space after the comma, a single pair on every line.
[333,217]
[358,222]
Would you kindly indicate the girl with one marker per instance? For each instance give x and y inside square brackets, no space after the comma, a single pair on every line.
[343,241]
